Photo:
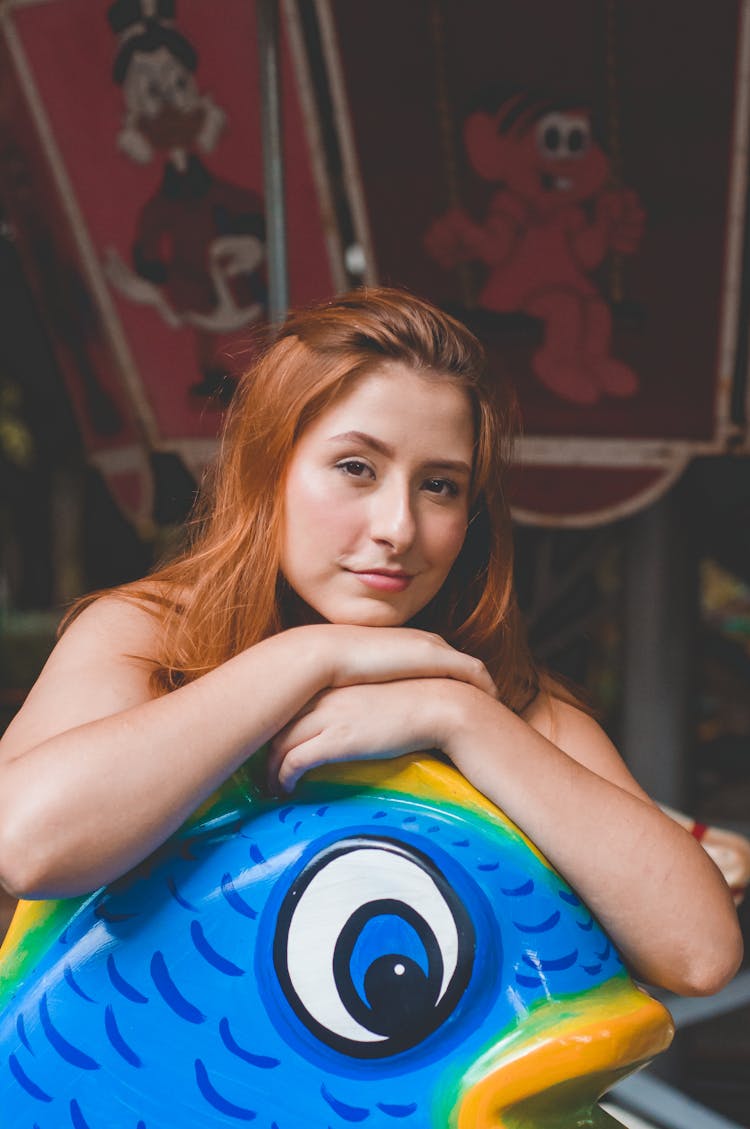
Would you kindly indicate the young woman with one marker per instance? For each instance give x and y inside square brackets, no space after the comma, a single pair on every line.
[347,593]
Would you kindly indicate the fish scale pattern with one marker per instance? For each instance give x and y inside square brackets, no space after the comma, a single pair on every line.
[174,997]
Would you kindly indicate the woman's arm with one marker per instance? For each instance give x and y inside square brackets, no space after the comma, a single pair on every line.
[652,886]
[555,774]
[95,773]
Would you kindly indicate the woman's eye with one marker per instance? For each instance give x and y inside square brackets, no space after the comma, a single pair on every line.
[355,469]
[445,487]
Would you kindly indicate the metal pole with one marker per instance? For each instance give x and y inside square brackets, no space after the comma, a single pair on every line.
[273,158]
[660,613]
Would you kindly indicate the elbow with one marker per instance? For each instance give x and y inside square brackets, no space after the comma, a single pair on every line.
[17,878]
[707,976]
[25,865]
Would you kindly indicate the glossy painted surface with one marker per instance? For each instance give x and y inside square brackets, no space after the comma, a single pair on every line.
[384,948]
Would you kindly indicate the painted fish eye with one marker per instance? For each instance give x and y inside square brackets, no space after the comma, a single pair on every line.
[373,947]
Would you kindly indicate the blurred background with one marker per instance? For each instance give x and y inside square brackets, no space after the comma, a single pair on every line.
[569,179]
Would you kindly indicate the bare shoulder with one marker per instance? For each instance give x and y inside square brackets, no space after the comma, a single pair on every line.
[116,623]
[100,666]
[581,737]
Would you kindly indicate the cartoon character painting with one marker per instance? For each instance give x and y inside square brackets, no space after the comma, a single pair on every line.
[553,219]
[198,252]
[384,947]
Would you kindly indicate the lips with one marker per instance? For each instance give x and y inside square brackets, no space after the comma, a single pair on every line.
[383,580]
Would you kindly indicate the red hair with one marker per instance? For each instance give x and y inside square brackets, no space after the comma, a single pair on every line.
[225,591]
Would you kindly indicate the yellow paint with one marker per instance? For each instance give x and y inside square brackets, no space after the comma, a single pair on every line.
[425,777]
[28,916]
[618,1029]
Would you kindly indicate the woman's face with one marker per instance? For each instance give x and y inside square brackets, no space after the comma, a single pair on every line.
[377,498]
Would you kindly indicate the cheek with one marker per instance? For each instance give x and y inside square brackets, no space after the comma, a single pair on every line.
[446,538]
[316,517]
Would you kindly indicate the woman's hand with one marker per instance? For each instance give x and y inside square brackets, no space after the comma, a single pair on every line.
[354,655]
[365,722]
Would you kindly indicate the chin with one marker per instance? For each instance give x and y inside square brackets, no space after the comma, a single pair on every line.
[372,615]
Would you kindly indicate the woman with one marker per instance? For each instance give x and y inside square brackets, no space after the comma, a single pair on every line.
[347,594]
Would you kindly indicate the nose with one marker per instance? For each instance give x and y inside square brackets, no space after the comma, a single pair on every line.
[392,518]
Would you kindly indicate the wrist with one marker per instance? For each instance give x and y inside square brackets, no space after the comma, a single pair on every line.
[309,652]
[450,707]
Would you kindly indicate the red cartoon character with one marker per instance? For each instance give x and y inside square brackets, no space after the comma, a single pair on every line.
[551,223]
[199,249]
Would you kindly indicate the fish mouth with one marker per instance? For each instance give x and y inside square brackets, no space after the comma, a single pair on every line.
[553,1069]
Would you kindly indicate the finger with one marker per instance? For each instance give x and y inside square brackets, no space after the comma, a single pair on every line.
[472,670]
[456,664]
[299,760]
[288,739]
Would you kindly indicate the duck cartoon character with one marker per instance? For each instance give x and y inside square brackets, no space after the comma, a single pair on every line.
[385,947]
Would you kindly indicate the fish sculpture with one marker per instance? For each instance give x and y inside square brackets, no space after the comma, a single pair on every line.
[384,947]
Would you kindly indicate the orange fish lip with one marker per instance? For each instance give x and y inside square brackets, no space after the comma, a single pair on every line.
[577,1049]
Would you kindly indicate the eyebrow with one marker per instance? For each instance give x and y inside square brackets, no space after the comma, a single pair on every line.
[385,449]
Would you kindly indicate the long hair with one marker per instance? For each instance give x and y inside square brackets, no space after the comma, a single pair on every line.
[225,592]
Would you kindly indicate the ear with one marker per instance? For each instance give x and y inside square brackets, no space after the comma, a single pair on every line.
[489,152]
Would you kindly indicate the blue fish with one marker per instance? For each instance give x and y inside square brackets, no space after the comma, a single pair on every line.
[384,947]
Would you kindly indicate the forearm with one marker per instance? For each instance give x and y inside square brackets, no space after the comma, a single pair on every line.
[85,805]
[649,883]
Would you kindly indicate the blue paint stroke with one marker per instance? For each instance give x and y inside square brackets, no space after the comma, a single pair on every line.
[397,1110]
[21,1031]
[65,1049]
[103,912]
[23,1080]
[519,891]
[70,981]
[209,953]
[214,1098]
[169,992]
[256,854]
[116,1039]
[262,1061]
[348,1112]
[529,981]
[172,887]
[551,964]
[569,897]
[235,900]
[541,926]
[120,984]
[186,849]
[76,1117]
